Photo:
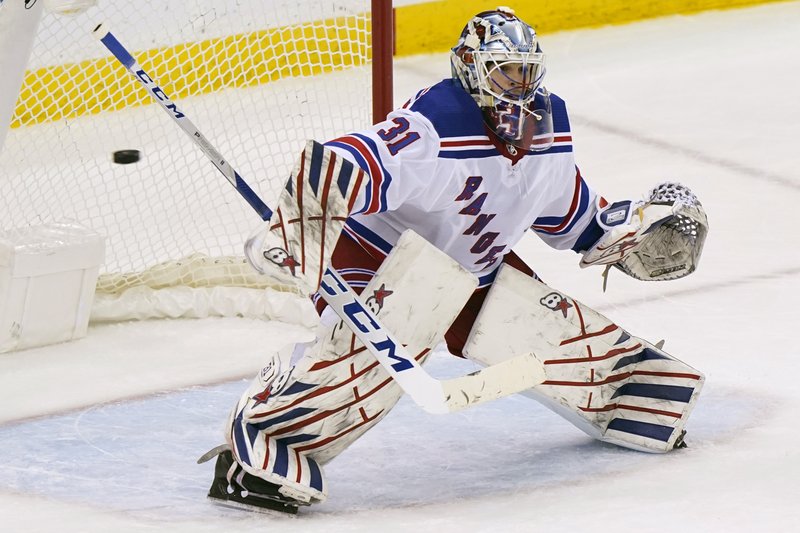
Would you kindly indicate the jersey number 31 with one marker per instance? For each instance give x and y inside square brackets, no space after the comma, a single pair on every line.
[398,136]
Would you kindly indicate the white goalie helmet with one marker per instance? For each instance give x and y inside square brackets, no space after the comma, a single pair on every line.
[498,61]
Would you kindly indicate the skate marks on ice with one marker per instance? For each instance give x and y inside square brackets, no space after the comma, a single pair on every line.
[138,457]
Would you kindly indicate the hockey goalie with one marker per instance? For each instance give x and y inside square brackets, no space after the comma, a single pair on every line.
[419,215]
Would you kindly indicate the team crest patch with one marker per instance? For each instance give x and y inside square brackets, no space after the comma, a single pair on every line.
[375,302]
[280,382]
[281,257]
[268,373]
[274,387]
[556,302]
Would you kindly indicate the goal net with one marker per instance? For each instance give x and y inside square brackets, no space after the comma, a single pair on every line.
[257,77]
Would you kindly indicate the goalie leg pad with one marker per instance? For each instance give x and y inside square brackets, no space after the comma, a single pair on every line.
[293,420]
[614,386]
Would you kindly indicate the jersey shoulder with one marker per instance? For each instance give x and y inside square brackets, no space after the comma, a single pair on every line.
[559,114]
[448,107]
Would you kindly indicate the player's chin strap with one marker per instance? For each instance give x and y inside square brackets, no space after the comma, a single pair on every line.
[656,240]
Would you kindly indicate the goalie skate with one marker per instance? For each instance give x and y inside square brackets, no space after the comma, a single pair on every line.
[233,487]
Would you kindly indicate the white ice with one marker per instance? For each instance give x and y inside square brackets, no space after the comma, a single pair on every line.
[101,434]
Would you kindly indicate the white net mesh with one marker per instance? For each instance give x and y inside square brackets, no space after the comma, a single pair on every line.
[257,77]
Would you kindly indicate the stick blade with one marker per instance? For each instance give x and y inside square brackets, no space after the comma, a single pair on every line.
[497,381]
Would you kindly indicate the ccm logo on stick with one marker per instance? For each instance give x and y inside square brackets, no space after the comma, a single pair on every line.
[354,308]
[158,93]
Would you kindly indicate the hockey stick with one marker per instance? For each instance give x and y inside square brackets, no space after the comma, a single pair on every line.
[435,396]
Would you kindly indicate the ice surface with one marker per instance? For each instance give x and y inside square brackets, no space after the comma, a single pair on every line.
[102,434]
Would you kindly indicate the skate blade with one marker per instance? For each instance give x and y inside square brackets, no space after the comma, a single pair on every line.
[230,504]
[213,452]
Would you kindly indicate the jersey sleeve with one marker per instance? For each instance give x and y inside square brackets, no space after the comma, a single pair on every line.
[567,218]
[568,221]
[398,156]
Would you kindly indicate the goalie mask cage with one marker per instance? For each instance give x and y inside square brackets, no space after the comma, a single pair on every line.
[258,78]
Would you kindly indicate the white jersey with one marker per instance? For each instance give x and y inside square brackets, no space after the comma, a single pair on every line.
[434,169]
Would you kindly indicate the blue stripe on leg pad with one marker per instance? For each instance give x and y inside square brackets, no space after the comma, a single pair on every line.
[672,393]
[643,429]
[645,355]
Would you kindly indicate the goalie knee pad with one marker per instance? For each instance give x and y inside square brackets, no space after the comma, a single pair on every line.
[614,386]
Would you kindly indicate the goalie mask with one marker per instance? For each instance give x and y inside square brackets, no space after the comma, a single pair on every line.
[498,61]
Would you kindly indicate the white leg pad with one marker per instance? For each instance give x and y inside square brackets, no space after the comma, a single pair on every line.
[293,420]
[615,387]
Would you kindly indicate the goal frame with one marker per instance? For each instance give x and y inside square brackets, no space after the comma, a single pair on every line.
[382,55]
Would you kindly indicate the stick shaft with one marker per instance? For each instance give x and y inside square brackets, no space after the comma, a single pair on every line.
[180,118]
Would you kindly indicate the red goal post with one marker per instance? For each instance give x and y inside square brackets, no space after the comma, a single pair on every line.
[382,55]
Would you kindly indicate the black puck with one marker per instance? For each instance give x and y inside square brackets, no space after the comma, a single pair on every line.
[126,157]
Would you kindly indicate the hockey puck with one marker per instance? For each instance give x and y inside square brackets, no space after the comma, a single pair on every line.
[126,157]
